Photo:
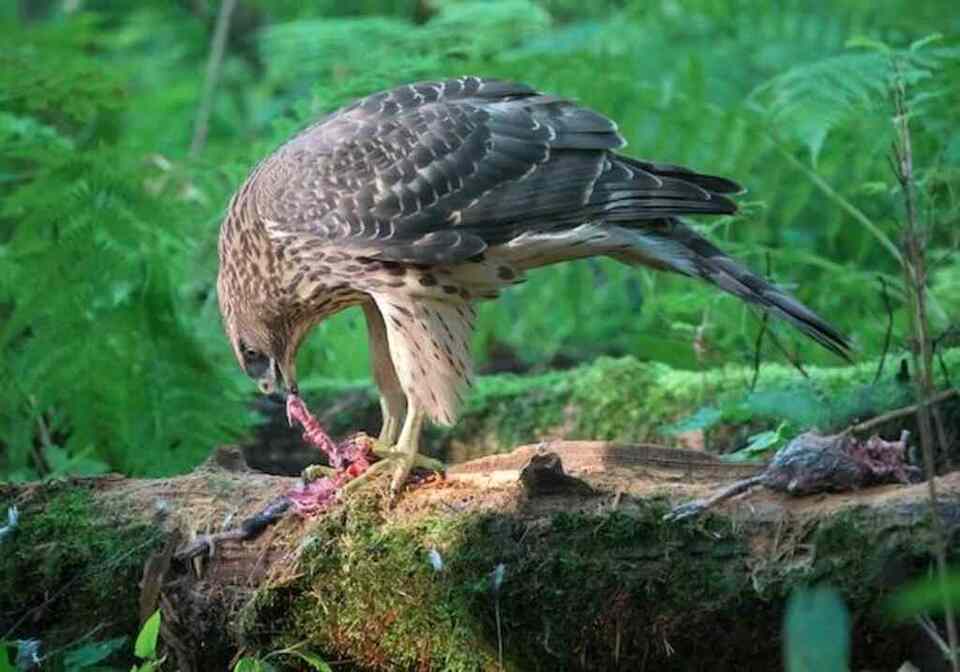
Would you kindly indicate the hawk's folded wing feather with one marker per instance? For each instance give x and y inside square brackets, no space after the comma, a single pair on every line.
[435,172]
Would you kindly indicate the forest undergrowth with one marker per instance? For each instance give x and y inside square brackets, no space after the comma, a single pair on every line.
[124,128]
[110,335]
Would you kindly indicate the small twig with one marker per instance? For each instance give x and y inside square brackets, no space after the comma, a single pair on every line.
[937,344]
[931,629]
[759,343]
[831,193]
[944,369]
[154,573]
[756,350]
[914,268]
[217,48]
[701,345]
[496,608]
[789,355]
[46,442]
[942,437]
[102,567]
[618,637]
[886,339]
[497,581]
[912,409]
[776,342]
[49,655]
[937,417]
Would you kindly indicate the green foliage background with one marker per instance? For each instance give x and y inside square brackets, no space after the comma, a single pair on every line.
[110,344]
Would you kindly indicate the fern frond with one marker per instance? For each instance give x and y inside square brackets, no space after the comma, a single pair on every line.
[809,100]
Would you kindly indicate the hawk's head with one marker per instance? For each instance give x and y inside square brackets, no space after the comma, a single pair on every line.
[264,342]
[265,352]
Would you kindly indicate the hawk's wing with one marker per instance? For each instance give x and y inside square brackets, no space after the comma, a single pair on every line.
[435,172]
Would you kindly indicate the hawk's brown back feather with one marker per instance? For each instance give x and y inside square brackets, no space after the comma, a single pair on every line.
[436,172]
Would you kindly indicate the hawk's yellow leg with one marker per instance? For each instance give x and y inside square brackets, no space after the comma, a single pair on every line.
[393,401]
[403,455]
[391,423]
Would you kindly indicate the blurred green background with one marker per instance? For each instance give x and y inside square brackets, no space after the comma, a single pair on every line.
[111,352]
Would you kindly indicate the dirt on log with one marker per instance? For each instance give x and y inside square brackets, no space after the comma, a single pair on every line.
[568,570]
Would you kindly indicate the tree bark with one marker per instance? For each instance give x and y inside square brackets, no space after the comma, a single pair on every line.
[591,576]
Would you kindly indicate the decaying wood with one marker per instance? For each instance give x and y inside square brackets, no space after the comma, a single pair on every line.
[597,457]
[761,546]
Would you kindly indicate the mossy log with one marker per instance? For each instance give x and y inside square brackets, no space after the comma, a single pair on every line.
[591,576]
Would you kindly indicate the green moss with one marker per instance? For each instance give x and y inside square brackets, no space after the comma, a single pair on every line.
[71,565]
[515,409]
[369,592]
[628,399]
[631,400]
[852,551]
[373,592]
[582,582]
[574,585]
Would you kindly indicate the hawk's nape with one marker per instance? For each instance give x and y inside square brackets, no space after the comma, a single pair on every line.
[414,202]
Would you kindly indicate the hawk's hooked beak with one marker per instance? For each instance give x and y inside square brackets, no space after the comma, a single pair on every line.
[271,380]
[278,378]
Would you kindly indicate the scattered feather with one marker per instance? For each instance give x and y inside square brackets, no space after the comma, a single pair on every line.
[28,652]
[498,573]
[436,561]
[13,519]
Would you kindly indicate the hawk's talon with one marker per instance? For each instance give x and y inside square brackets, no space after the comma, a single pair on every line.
[364,478]
[430,464]
[422,461]
[314,472]
[389,458]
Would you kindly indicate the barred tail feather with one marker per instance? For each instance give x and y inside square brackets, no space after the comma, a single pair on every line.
[680,249]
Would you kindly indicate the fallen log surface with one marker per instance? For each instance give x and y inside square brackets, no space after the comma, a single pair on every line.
[590,575]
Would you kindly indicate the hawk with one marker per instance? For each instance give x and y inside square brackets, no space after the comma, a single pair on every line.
[414,203]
